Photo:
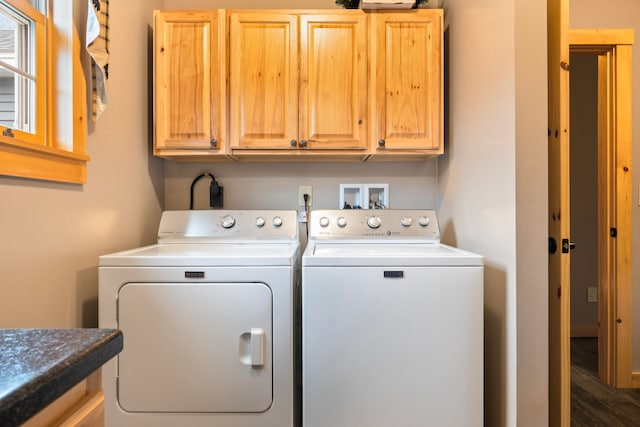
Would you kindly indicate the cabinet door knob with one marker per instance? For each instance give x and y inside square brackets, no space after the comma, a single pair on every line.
[303,143]
[213,142]
[293,143]
[381,143]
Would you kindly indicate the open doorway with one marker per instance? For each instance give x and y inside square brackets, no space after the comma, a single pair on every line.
[612,48]
[583,133]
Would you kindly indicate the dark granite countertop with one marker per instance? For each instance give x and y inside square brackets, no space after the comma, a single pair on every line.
[39,365]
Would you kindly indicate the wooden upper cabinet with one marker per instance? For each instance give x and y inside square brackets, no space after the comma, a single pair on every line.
[321,84]
[263,79]
[189,77]
[407,86]
[333,80]
[298,82]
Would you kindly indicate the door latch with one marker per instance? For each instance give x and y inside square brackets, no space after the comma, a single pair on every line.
[567,246]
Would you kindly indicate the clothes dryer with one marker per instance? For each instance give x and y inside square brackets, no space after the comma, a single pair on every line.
[207,321]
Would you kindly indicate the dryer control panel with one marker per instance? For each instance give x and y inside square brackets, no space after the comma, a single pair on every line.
[216,225]
[404,224]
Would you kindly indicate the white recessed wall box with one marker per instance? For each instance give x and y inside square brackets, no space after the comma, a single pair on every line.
[376,196]
[351,196]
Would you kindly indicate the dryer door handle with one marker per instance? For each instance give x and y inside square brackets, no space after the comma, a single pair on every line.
[257,347]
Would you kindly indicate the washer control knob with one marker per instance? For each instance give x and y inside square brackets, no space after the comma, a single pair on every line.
[374,222]
[324,221]
[423,221]
[342,221]
[277,221]
[260,222]
[227,221]
[406,221]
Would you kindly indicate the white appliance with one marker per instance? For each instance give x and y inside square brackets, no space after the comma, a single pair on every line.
[392,323]
[207,316]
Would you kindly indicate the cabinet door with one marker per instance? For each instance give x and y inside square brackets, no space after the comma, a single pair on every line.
[408,106]
[189,95]
[333,80]
[263,62]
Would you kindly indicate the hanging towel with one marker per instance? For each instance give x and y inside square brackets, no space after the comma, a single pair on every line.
[98,48]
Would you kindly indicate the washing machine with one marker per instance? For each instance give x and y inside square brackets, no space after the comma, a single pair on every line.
[207,316]
[392,323]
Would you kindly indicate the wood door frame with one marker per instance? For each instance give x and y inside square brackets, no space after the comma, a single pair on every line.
[613,48]
[559,213]
[614,211]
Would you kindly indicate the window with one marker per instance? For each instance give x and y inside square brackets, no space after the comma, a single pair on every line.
[20,79]
[42,112]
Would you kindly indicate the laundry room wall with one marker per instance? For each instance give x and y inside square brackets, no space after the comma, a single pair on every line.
[275,185]
[490,187]
[493,190]
[622,14]
[52,234]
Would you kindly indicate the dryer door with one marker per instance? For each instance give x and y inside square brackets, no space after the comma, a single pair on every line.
[202,347]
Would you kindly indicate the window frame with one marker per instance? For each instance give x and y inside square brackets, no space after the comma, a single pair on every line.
[60,154]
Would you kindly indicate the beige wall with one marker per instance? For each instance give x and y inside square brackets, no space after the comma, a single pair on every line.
[493,190]
[490,189]
[621,14]
[52,234]
[274,185]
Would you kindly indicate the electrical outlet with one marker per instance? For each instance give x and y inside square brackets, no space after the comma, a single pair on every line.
[302,190]
[592,294]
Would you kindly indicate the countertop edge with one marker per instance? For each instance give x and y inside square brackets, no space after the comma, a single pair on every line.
[36,394]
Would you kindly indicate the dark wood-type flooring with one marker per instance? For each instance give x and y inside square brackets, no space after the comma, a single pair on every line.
[594,403]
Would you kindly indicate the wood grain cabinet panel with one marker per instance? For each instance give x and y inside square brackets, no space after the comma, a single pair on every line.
[189,75]
[333,84]
[263,75]
[301,84]
[407,86]
[81,406]
[298,83]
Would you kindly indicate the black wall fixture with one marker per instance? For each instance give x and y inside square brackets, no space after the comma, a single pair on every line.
[215,191]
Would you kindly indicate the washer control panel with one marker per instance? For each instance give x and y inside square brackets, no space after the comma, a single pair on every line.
[216,225]
[369,223]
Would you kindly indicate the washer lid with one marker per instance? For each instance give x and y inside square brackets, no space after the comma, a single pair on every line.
[387,254]
[205,254]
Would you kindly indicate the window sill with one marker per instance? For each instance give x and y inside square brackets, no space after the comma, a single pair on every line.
[26,160]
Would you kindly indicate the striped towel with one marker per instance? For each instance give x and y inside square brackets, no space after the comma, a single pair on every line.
[98,48]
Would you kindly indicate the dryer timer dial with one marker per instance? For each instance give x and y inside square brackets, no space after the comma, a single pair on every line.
[227,221]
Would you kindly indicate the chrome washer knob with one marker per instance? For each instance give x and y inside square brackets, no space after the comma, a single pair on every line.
[406,221]
[423,221]
[374,222]
[227,221]
[260,222]
[324,221]
[277,221]
[342,221]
